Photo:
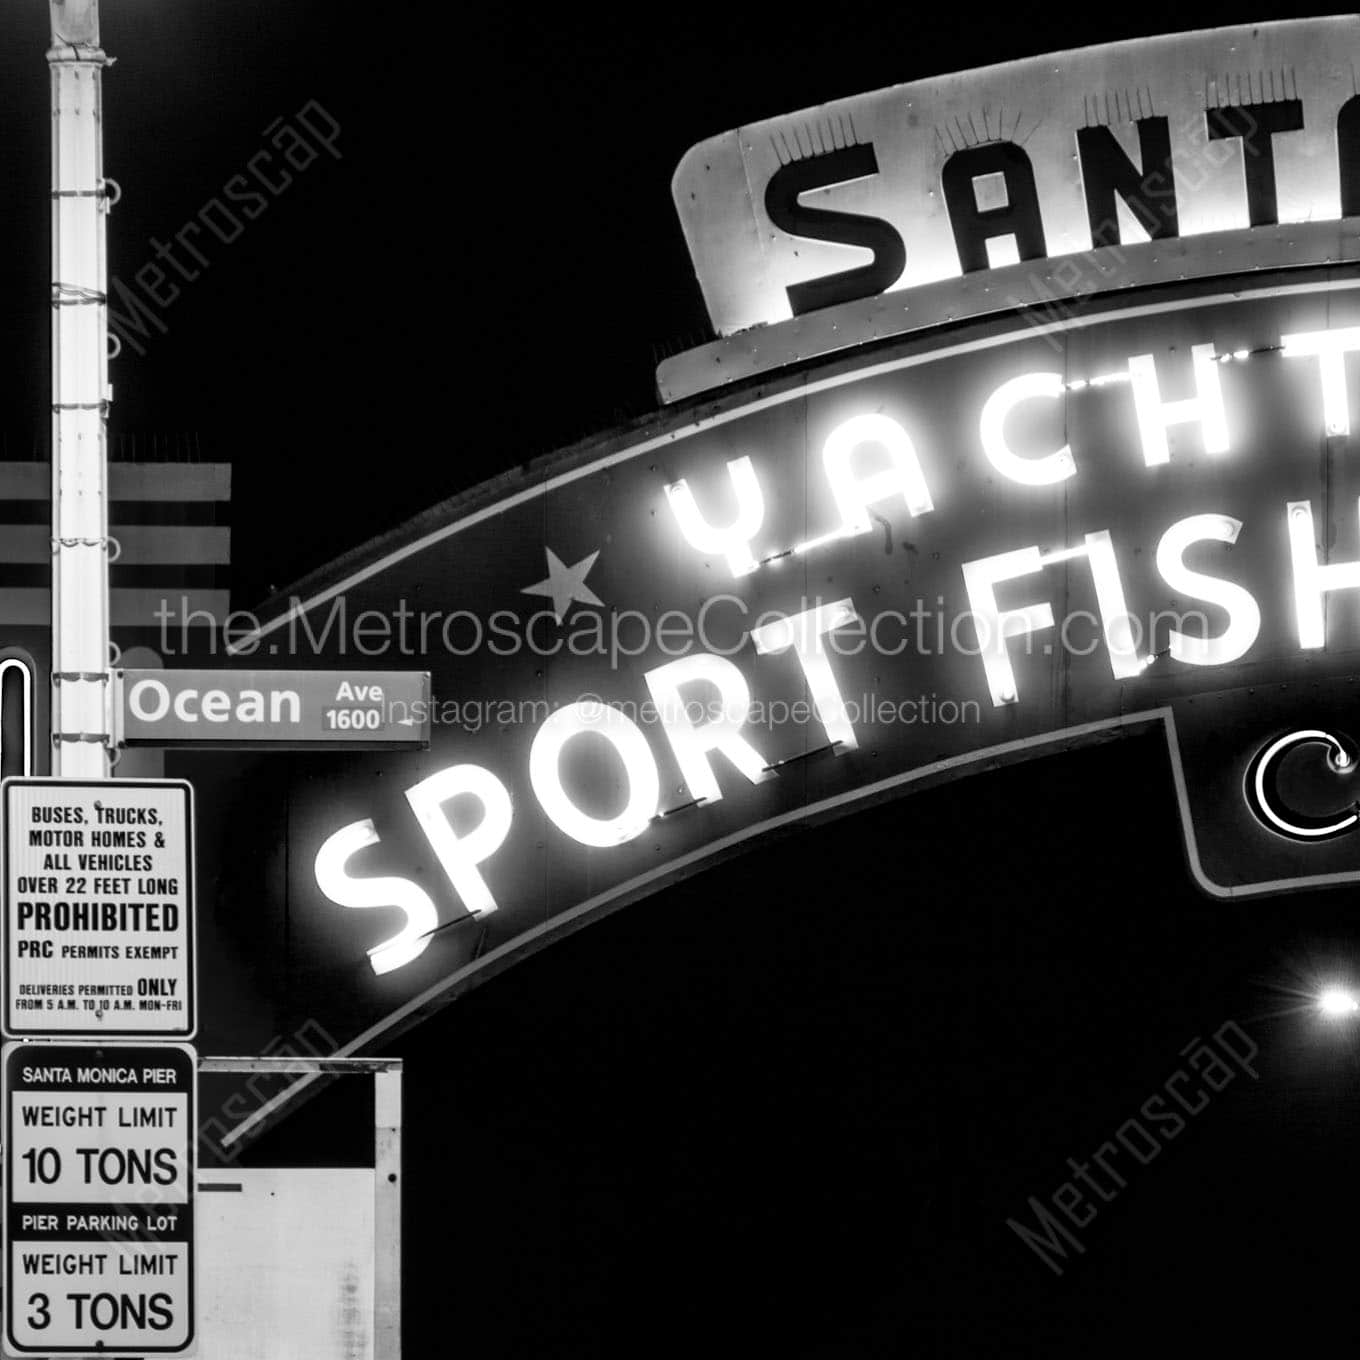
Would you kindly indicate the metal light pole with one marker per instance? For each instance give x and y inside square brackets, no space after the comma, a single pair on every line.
[80,397]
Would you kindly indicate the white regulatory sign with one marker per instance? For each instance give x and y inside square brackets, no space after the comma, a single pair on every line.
[99,908]
[99,1198]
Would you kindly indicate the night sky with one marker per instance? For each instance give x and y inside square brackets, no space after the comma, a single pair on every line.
[787,1107]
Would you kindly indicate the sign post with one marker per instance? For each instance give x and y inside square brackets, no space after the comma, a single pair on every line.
[98,878]
[99,1198]
[80,395]
[99,909]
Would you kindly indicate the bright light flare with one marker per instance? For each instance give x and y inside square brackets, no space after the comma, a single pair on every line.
[1337,1002]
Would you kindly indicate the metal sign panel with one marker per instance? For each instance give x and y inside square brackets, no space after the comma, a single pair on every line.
[99,908]
[292,708]
[1098,150]
[287,1264]
[824,593]
[99,1198]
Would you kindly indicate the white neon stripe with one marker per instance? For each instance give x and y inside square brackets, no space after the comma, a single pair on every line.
[26,690]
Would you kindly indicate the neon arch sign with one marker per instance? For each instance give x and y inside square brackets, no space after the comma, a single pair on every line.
[1060,500]
[1047,561]
[1180,428]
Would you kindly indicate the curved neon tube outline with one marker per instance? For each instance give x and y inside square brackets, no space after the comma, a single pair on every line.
[1267,758]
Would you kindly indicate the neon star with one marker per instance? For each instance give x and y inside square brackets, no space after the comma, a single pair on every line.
[564,584]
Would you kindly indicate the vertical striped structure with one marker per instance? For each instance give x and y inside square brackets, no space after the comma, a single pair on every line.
[81,716]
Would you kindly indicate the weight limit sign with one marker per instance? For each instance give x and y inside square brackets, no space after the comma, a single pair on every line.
[99,1185]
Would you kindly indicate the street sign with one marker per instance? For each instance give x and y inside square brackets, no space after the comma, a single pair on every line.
[274,708]
[99,1187]
[99,908]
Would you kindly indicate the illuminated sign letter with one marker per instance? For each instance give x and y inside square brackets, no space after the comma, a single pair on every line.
[782,206]
[421,918]
[1017,214]
[692,741]
[624,735]
[1256,125]
[1114,614]
[1054,467]
[803,632]
[994,625]
[854,494]
[733,542]
[1329,348]
[1312,580]
[1348,154]
[1106,170]
[1244,615]
[459,855]
[1155,415]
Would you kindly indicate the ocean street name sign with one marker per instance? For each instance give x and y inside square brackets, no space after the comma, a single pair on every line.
[295,708]
[99,1189]
[99,908]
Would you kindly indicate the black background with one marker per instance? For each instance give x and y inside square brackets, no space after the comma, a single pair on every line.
[787,1107]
